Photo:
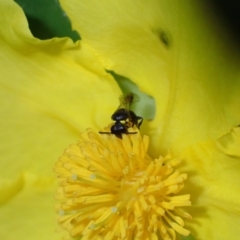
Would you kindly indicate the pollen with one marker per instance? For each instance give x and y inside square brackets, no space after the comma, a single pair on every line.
[110,188]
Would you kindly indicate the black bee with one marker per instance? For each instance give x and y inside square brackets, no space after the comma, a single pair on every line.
[124,118]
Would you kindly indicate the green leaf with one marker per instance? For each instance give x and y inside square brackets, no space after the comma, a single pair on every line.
[146,106]
[47,19]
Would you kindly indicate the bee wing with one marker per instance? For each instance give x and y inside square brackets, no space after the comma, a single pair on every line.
[128,99]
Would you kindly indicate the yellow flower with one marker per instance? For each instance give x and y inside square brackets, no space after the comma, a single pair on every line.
[51,90]
[179,53]
[110,188]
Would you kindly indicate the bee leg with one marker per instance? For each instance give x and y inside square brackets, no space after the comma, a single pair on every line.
[105,132]
[140,119]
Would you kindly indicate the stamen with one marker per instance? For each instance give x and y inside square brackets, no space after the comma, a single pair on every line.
[110,188]
[114,209]
[74,176]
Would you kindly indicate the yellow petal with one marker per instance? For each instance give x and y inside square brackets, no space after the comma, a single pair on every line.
[50,91]
[230,143]
[30,214]
[194,78]
[215,188]
[10,188]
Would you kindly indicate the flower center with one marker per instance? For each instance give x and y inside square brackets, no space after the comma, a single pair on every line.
[111,189]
